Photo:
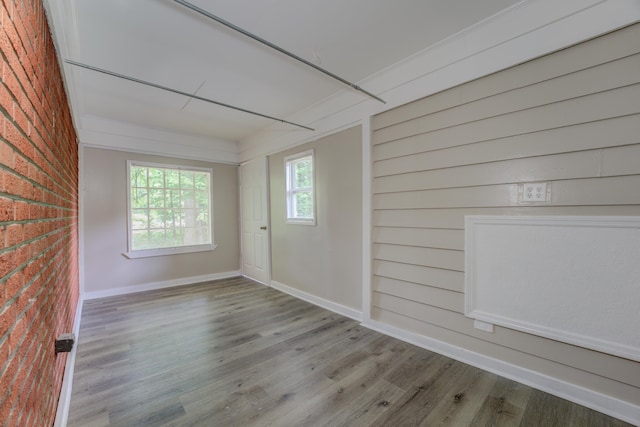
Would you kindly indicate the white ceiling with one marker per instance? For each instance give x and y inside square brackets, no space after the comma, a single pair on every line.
[163,42]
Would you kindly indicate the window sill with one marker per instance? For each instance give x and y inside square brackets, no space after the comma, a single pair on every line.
[301,221]
[148,253]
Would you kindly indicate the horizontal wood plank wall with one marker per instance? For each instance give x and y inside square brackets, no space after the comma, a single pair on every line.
[571,118]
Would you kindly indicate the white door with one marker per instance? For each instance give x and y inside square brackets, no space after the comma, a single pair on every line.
[255,220]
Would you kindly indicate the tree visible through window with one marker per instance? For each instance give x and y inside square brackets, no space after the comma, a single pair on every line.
[300,188]
[169,207]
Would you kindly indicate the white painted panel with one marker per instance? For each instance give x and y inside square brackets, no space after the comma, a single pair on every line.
[260,251]
[574,279]
[248,248]
[258,207]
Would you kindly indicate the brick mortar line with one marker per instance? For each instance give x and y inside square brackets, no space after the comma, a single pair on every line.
[39,237]
[18,346]
[57,77]
[42,323]
[24,264]
[63,177]
[30,241]
[33,221]
[27,285]
[14,298]
[35,165]
[49,137]
[56,183]
[33,202]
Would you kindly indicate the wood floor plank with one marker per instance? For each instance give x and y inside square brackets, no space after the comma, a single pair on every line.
[504,405]
[236,353]
[462,402]
[353,383]
[417,403]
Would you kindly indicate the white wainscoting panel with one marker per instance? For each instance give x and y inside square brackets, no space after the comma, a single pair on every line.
[574,279]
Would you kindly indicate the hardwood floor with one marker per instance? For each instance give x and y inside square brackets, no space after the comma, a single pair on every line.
[236,353]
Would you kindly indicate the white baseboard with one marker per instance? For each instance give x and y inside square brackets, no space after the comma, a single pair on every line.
[602,403]
[62,412]
[321,302]
[160,285]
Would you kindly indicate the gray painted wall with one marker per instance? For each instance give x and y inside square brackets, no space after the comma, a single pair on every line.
[105,225]
[324,260]
[572,119]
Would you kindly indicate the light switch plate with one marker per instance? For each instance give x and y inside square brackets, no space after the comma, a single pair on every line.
[534,192]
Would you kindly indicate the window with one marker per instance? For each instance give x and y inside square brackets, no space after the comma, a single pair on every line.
[300,188]
[169,209]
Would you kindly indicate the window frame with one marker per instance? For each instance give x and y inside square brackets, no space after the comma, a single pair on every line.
[169,250]
[289,161]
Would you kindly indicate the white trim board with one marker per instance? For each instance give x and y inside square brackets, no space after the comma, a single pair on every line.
[110,134]
[320,302]
[367,217]
[573,279]
[64,401]
[602,403]
[160,285]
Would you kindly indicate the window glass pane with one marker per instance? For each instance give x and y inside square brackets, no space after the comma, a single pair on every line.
[303,173]
[156,198]
[190,216]
[172,178]
[169,237]
[186,179]
[156,218]
[178,217]
[201,181]
[172,199]
[157,238]
[140,239]
[170,220]
[202,199]
[138,176]
[188,198]
[139,219]
[156,177]
[203,217]
[179,236]
[303,205]
[139,198]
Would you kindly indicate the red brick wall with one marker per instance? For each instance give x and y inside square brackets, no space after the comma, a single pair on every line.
[38,217]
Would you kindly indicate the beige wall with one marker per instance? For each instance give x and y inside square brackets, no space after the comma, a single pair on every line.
[322,260]
[105,225]
[571,118]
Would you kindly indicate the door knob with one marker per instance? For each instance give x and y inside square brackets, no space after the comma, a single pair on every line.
[264,227]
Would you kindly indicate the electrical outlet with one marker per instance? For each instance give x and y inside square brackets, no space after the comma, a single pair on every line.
[534,192]
[64,343]
[483,326]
